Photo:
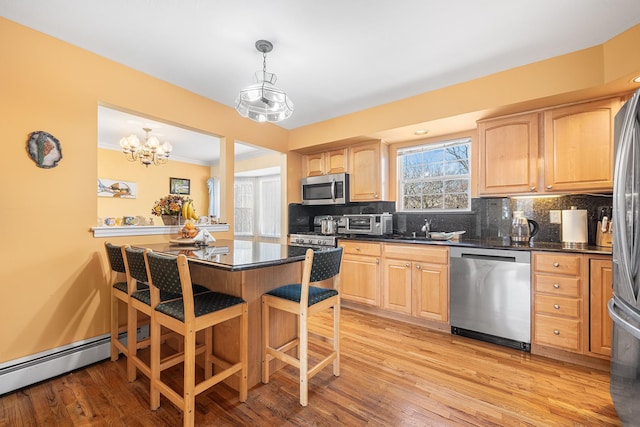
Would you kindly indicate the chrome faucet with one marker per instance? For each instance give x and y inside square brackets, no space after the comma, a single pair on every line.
[426,228]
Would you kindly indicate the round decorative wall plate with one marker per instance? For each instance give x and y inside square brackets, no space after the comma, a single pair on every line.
[44,149]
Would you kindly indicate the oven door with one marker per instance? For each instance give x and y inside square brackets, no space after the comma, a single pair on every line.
[360,224]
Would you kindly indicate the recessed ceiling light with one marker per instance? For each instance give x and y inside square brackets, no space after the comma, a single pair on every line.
[421,132]
[636,80]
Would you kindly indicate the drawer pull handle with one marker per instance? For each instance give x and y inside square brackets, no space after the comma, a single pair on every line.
[557,286]
[357,248]
[556,264]
[556,306]
[532,188]
[418,267]
[407,265]
[377,260]
[556,332]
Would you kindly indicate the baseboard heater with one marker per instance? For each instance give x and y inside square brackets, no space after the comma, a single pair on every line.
[34,368]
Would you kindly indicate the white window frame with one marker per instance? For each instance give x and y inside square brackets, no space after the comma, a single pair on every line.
[259,208]
[433,147]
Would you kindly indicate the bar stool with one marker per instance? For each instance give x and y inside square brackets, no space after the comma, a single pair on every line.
[120,292]
[140,302]
[187,316]
[304,301]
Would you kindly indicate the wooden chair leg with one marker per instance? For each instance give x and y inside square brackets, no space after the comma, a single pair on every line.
[336,339]
[208,359]
[132,341]
[189,398]
[244,352]
[114,327]
[155,331]
[265,341]
[304,361]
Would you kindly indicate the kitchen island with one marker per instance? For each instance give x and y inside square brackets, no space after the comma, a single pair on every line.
[245,269]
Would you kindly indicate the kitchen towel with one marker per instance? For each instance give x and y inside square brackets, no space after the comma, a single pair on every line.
[574,226]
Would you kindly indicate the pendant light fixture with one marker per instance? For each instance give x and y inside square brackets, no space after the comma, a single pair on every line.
[262,101]
[150,152]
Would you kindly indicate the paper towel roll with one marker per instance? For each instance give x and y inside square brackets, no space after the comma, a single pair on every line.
[574,226]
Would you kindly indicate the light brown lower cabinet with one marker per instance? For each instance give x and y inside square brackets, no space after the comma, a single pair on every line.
[601,290]
[570,294]
[360,275]
[415,281]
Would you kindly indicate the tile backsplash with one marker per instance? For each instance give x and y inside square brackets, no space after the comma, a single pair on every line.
[490,218]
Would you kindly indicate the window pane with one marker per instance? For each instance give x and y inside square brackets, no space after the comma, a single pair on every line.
[433,202]
[435,176]
[456,201]
[412,202]
[412,172]
[433,187]
[456,185]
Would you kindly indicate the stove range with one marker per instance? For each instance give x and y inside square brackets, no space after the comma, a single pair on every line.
[313,239]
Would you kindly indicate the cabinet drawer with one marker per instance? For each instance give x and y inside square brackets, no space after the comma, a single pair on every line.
[414,252]
[557,332]
[557,306]
[361,248]
[557,285]
[556,263]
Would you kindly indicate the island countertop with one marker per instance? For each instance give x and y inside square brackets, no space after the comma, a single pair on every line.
[234,255]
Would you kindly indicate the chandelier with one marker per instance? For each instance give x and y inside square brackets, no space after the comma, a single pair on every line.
[262,101]
[149,152]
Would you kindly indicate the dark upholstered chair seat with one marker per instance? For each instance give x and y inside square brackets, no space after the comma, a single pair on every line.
[121,286]
[205,303]
[292,293]
[145,294]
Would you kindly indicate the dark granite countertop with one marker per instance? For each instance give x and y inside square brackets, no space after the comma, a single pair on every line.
[234,255]
[484,243]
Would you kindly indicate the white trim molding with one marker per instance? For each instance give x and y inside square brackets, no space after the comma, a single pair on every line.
[149,230]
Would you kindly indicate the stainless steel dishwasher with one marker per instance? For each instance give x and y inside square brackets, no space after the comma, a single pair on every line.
[490,295]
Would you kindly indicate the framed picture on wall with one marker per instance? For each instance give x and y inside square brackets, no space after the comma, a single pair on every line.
[179,186]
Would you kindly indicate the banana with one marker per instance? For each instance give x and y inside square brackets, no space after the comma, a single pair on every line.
[185,210]
[192,212]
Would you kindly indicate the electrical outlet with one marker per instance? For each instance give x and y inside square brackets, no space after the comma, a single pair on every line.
[554,217]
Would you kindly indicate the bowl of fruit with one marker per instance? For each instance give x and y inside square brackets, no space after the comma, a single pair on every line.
[187,234]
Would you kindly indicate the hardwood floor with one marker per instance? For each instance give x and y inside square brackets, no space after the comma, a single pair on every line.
[392,374]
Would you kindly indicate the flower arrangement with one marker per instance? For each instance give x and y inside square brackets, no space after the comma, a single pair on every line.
[169,205]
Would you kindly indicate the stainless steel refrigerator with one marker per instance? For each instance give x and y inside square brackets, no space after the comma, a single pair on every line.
[624,307]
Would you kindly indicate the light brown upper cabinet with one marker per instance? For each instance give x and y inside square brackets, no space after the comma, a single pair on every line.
[368,164]
[334,161]
[578,147]
[508,155]
[574,144]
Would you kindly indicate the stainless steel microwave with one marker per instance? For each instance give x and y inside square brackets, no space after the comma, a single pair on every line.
[371,224]
[326,189]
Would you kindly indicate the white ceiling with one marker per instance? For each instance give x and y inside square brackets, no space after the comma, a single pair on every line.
[332,57]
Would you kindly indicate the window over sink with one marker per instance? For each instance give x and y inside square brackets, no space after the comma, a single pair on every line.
[435,177]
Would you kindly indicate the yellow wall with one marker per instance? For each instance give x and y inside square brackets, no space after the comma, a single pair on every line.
[53,269]
[153,183]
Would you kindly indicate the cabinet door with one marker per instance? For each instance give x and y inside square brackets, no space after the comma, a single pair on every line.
[431,287]
[336,161]
[365,179]
[579,147]
[508,155]
[360,279]
[313,164]
[396,285]
[601,293]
